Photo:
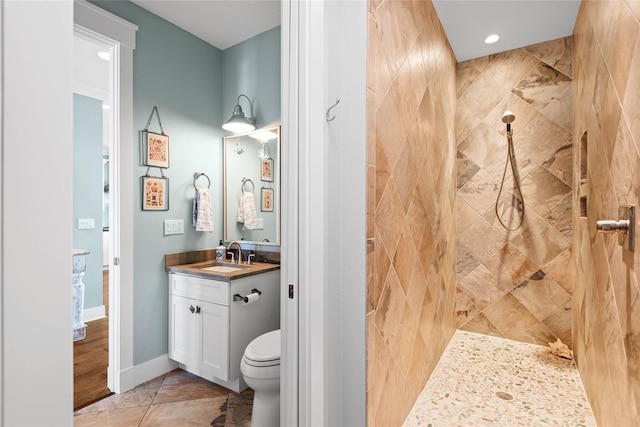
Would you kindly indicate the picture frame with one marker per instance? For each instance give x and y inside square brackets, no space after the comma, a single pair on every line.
[155,193]
[266,199]
[266,170]
[154,149]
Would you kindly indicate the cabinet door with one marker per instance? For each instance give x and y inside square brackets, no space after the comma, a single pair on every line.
[182,329]
[213,355]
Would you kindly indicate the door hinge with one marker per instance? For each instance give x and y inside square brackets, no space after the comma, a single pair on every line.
[116,261]
[290,291]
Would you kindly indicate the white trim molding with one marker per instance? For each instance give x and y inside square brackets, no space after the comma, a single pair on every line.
[93,313]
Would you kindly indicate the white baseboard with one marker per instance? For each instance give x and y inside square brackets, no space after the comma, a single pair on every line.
[136,375]
[93,313]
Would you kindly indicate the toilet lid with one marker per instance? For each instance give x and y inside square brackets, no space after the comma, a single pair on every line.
[265,348]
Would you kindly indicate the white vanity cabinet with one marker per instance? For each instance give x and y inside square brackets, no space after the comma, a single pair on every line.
[209,330]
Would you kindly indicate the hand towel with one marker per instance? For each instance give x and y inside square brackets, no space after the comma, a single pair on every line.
[247,211]
[202,213]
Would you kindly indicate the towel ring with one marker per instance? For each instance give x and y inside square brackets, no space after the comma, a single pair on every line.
[197,175]
[244,182]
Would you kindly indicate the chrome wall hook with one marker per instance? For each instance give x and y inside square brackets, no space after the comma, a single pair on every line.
[329,119]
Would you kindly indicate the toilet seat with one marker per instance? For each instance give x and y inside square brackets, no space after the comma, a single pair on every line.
[264,351]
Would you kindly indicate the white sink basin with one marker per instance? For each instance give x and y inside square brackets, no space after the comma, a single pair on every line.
[221,269]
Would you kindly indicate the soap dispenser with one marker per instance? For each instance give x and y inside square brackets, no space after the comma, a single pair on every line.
[221,252]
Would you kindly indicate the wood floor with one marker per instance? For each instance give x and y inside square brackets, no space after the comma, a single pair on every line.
[91,358]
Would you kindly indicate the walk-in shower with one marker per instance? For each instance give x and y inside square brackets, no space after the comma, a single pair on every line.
[517,201]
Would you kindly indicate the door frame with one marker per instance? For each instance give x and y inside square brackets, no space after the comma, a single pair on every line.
[95,22]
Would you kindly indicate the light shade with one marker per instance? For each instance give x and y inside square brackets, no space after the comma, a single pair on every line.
[238,123]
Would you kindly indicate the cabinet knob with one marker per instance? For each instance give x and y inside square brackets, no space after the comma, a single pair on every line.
[192,309]
[197,309]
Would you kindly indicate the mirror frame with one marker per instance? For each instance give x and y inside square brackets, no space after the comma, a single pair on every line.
[277,185]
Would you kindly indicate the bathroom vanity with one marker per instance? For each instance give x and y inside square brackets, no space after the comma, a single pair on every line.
[215,310]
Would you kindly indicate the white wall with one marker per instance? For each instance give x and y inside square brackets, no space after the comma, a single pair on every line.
[37,365]
[345,138]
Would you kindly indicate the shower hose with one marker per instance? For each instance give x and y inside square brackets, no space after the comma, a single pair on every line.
[520,200]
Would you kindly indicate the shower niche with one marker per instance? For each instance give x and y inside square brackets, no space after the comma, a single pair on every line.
[583,184]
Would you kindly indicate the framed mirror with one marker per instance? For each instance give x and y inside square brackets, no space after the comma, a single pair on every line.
[252,187]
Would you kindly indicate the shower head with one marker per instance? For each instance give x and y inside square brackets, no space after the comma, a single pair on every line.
[508,117]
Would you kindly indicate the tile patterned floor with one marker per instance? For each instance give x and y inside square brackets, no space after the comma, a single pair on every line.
[175,399]
[488,381]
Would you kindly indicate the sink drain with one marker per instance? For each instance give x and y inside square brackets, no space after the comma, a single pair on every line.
[504,396]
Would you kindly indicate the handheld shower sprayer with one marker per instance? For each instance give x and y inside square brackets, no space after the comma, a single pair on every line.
[508,117]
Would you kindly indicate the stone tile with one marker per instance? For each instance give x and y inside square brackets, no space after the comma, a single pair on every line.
[125,417]
[560,109]
[538,334]
[417,288]
[466,74]
[482,240]
[541,295]
[560,217]
[481,96]
[539,50]
[371,200]
[382,262]
[540,242]
[389,309]
[541,190]
[479,192]
[180,385]
[540,86]
[624,40]
[482,288]
[465,262]
[388,215]
[630,105]
[523,111]
[510,215]
[482,144]
[465,309]
[510,316]
[211,411]
[465,215]
[465,169]
[509,67]
[561,270]
[560,56]
[510,267]
[560,164]
[481,325]
[559,322]
[405,257]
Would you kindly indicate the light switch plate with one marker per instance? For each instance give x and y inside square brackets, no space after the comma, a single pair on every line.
[86,224]
[173,226]
[260,225]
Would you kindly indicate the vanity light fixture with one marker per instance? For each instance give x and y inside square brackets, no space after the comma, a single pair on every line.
[492,38]
[238,123]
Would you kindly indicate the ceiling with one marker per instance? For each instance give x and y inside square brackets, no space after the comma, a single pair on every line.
[225,23]
[518,22]
[221,23]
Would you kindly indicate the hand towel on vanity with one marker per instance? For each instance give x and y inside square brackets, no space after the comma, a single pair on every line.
[202,213]
[247,211]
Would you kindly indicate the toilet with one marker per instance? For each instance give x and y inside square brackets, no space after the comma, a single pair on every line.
[260,368]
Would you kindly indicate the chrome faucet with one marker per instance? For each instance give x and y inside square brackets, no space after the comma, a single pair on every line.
[239,250]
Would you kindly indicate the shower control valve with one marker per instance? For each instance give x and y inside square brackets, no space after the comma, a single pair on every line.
[625,226]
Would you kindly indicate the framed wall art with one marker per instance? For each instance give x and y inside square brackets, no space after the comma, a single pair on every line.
[154,149]
[266,199]
[267,170]
[155,193]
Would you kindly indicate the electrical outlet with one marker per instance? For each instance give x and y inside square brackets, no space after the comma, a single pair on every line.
[260,225]
[86,224]
[173,226]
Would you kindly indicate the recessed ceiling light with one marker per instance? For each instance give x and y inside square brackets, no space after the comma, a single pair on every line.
[491,38]
[104,55]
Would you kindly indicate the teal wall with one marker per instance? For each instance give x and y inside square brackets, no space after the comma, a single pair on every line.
[253,68]
[87,191]
[183,76]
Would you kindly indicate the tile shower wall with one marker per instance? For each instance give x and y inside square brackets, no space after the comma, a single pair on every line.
[515,284]
[607,175]
[410,204]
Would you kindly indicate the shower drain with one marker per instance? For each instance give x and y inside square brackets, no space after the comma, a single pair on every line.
[503,395]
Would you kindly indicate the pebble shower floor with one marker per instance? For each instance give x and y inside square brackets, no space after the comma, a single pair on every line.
[489,381]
